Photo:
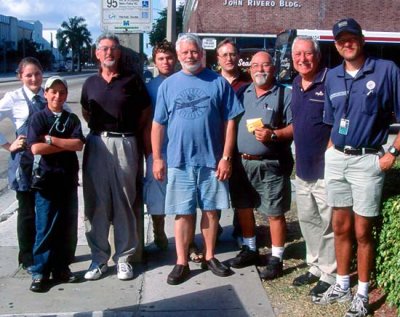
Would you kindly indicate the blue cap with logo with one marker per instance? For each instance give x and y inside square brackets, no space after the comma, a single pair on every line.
[346,25]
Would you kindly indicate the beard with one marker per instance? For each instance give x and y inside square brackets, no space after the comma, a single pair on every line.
[260,79]
[108,64]
[191,68]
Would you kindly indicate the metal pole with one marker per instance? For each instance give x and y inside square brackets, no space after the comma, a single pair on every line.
[171,21]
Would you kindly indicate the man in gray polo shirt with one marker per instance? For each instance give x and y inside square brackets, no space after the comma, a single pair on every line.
[261,177]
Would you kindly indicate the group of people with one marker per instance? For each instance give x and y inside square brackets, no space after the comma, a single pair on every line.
[210,141]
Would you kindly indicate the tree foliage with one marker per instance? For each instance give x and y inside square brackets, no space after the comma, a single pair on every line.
[159,30]
[74,36]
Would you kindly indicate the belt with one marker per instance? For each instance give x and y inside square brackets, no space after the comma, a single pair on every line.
[353,151]
[109,134]
[250,157]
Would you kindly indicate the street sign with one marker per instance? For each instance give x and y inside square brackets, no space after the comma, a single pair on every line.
[209,43]
[126,16]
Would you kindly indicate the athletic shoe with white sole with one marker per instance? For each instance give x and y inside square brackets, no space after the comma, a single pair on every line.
[95,271]
[334,294]
[125,271]
[359,307]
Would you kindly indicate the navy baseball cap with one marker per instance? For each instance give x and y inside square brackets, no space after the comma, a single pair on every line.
[346,25]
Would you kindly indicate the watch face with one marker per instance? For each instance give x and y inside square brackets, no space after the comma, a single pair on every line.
[393,151]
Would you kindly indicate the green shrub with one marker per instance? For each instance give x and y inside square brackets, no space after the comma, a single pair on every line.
[388,248]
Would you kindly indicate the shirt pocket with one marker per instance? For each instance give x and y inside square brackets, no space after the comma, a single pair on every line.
[370,102]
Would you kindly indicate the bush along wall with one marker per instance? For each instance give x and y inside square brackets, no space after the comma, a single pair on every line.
[388,247]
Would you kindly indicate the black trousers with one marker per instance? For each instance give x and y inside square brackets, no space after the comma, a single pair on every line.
[26,229]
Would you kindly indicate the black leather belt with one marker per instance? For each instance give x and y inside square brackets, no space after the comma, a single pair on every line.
[109,134]
[353,151]
[250,157]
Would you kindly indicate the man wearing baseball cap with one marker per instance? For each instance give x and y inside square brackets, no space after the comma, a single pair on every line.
[361,95]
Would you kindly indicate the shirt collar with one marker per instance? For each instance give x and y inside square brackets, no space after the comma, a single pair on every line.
[318,79]
[30,94]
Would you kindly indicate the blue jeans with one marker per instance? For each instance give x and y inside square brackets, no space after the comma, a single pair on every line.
[56,231]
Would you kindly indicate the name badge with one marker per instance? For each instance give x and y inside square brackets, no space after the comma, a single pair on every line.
[344,126]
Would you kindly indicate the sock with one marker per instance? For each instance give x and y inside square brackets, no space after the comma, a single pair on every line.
[363,288]
[250,242]
[343,281]
[278,252]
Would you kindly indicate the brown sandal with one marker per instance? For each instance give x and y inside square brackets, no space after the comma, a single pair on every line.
[194,254]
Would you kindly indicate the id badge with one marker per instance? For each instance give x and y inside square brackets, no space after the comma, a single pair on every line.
[344,126]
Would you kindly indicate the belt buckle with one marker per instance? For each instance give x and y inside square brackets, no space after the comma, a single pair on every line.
[104,133]
[347,149]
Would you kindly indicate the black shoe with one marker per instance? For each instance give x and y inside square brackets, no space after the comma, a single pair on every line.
[216,267]
[64,277]
[319,289]
[39,285]
[246,257]
[305,279]
[273,269]
[178,274]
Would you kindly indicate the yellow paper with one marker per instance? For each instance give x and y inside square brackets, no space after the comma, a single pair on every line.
[253,124]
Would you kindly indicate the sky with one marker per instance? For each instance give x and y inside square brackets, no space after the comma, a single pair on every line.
[52,13]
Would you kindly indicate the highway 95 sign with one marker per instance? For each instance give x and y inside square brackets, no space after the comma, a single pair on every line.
[126,16]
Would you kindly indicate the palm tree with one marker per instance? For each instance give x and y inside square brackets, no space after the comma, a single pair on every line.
[73,36]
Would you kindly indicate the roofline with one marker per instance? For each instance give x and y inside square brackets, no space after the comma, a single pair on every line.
[370,36]
[320,35]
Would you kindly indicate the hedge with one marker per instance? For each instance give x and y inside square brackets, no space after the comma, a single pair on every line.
[388,247]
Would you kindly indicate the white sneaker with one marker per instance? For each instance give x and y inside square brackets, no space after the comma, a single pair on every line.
[125,271]
[95,271]
[359,307]
[334,294]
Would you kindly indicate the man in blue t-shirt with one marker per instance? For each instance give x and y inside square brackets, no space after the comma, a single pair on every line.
[311,136]
[164,57]
[361,95]
[196,108]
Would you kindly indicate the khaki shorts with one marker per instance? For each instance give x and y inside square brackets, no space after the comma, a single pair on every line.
[354,180]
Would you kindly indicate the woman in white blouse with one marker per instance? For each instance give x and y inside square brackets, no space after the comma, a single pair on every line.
[18,106]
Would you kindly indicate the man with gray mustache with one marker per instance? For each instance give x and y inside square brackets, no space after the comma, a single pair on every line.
[261,177]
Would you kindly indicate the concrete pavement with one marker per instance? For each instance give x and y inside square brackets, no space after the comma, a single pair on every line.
[148,294]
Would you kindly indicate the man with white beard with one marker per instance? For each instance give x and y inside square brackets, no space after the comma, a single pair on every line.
[261,177]
[197,109]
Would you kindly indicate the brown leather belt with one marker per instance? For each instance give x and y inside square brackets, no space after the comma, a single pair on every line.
[250,157]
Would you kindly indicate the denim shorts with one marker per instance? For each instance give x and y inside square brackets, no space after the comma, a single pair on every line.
[354,181]
[153,190]
[191,187]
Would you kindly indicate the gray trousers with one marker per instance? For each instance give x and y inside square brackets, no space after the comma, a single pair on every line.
[109,172]
[315,223]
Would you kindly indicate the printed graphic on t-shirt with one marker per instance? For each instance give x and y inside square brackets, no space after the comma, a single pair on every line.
[191,103]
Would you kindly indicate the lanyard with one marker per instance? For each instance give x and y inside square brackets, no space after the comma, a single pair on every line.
[347,101]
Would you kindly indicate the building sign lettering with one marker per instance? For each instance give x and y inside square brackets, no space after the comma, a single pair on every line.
[262,3]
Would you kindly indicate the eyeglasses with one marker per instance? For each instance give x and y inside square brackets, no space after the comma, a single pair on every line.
[104,49]
[263,65]
[226,55]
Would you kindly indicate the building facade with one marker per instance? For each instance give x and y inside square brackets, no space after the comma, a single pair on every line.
[261,16]
[255,24]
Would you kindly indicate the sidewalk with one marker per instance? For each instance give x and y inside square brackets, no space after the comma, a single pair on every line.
[148,294]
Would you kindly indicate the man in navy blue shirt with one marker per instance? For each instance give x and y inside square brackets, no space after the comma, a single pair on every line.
[361,95]
[311,136]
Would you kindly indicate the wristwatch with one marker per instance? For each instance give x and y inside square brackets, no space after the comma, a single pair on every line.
[227,158]
[392,150]
[274,137]
[48,139]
